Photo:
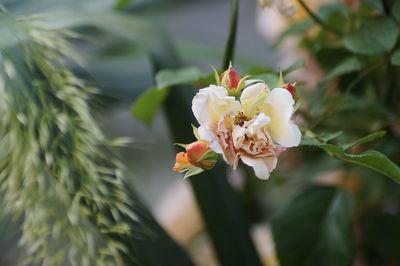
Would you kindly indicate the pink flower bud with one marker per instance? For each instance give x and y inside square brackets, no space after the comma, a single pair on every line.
[200,155]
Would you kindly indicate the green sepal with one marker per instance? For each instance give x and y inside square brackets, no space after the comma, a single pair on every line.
[193,171]
[181,145]
[241,85]
[209,156]
[196,132]
[216,76]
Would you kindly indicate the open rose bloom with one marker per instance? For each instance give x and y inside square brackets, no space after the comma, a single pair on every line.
[250,124]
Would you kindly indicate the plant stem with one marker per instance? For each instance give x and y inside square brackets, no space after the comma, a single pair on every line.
[386,7]
[317,19]
[230,44]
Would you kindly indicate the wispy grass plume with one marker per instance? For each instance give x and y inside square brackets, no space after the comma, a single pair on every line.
[56,171]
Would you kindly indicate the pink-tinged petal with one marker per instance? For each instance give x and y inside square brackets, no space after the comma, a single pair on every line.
[279,107]
[262,166]
[211,103]
[208,135]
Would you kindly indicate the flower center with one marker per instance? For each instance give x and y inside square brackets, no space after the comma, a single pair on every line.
[239,119]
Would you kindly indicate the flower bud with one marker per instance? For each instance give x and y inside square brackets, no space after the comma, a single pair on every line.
[200,155]
[181,162]
[291,88]
[230,79]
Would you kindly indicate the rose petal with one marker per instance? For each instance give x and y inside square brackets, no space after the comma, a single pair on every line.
[279,107]
[209,136]
[211,103]
[253,91]
[257,124]
[252,98]
[262,166]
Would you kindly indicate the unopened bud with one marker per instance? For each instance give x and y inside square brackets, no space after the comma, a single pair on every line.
[230,79]
[200,155]
[181,162]
[291,88]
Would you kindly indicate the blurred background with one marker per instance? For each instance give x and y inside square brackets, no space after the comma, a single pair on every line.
[195,32]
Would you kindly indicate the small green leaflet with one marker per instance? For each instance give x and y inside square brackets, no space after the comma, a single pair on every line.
[375,36]
[146,106]
[171,77]
[371,159]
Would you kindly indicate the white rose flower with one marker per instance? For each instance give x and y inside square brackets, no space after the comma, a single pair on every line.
[255,129]
[212,103]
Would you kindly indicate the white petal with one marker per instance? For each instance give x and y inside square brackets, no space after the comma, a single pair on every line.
[253,91]
[209,136]
[262,166]
[258,124]
[252,99]
[210,103]
[279,107]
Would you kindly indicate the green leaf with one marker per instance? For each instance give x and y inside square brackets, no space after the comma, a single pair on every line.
[375,36]
[294,66]
[325,137]
[315,228]
[371,159]
[336,16]
[381,233]
[120,4]
[348,65]
[395,58]
[375,161]
[396,11]
[294,29]
[136,29]
[331,149]
[147,105]
[310,139]
[270,79]
[171,77]
[369,138]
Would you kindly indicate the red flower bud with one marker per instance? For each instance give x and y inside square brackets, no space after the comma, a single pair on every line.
[291,88]
[230,79]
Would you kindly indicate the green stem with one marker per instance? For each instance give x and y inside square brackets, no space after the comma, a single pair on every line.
[317,19]
[230,44]
[386,7]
